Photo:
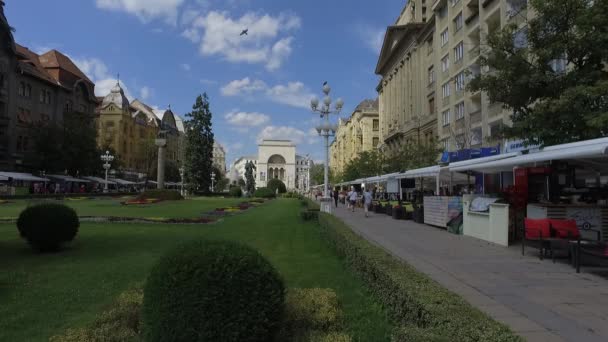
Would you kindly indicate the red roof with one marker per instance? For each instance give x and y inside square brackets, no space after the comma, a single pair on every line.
[29,62]
[56,60]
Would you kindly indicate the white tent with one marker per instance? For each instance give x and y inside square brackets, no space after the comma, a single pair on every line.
[69,179]
[98,180]
[25,177]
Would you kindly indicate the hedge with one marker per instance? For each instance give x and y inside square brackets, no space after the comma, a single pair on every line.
[161,194]
[411,298]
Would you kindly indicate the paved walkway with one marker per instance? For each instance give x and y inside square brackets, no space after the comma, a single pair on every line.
[539,300]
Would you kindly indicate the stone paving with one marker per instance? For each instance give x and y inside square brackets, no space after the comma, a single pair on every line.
[539,300]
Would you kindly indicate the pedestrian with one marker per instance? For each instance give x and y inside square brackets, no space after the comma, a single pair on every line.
[353,198]
[336,194]
[367,201]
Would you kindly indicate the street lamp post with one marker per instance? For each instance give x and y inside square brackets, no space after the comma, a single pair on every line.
[182,171]
[326,130]
[307,186]
[212,180]
[107,159]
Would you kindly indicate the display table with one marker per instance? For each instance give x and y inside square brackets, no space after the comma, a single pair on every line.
[587,216]
[491,226]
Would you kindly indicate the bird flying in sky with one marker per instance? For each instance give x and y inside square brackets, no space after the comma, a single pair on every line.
[245,32]
[325,83]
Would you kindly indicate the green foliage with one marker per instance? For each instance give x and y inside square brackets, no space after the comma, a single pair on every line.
[212,291]
[236,191]
[264,193]
[411,297]
[47,226]
[317,174]
[312,315]
[199,145]
[119,323]
[165,195]
[415,334]
[249,177]
[309,214]
[551,106]
[275,184]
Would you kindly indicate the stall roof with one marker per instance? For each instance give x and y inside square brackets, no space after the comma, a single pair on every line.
[590,149]
[98,180]
[69,179]
[431,171]
[122,181]
[3,178]
[466,164]
[26,177]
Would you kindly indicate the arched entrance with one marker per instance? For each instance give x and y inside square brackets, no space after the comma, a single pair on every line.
[276,167]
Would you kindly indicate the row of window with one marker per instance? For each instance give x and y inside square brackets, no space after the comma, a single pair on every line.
[459,80]
[458,111]
[457,23]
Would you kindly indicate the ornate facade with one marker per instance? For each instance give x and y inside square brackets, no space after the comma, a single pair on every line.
[219,156]
[359,133]
[35,89]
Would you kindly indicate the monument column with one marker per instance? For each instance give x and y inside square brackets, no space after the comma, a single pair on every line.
[160,174]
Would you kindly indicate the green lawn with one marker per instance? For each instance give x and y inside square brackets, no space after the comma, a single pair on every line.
[41,295]
[190,208]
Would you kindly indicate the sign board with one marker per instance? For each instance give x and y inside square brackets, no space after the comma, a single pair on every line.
[518,146]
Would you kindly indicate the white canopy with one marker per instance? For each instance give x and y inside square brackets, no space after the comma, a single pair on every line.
[122,181]
[590,149]
[69,179]
[431,171]
[467,164]
[98,180]
[18,176]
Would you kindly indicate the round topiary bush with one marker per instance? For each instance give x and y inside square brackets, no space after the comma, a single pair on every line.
[275,184]
[236,191]
[264,193]
[212,291]
[48,226]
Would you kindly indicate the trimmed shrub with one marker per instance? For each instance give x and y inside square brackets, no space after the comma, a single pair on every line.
[120,323]
[309,214]
[164,195]
[46,227]
[275,184]
[264,193]
[415,334]
[411,297]
[236,191]
[212,291]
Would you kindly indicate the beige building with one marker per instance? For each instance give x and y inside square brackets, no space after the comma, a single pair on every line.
[427,59]
[219,156]
[359,133]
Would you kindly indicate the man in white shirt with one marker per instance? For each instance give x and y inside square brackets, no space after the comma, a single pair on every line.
[367,201]
[352,197]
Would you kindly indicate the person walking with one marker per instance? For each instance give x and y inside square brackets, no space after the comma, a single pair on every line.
[353,198]
[336,194]
[367,201]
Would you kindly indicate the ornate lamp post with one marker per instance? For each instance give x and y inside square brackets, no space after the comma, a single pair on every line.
[326,130]
[107,159]
[182,171]
[212,180]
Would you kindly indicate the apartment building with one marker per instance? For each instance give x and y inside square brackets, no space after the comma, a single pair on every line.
[219,156]
[428,57]
[358,133]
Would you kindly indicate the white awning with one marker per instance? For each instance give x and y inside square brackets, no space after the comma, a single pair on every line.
[467,164]
[3,178]
[431,171]
[122,181]
[590,149]
[26,177]
[69,179]
[98,180]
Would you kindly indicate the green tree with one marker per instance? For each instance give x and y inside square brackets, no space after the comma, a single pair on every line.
[249,178]
[199,144]
[555,80]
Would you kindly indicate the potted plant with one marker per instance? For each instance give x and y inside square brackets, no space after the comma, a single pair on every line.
[398,212]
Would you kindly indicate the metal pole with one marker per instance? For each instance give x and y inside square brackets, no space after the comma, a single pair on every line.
[105,188]
[327,157]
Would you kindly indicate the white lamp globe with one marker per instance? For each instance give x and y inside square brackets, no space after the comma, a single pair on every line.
[314,103]
[327,101]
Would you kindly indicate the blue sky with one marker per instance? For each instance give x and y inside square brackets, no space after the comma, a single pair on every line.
[168,51]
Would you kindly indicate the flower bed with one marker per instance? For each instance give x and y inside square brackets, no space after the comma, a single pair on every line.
[198,220]
[4,202]
[136,201]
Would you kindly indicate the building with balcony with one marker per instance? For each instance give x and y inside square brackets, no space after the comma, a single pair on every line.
[358,133]
[428,57]
[36,90]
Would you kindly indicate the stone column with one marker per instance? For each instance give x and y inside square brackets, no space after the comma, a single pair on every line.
[160,179]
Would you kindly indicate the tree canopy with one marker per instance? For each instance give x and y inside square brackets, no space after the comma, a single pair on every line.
[552,74]
[199,144]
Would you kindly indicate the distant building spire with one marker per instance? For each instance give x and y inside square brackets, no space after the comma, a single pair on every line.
[117,75]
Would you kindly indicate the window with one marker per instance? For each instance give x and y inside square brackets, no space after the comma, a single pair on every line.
[376,125]
[443,12]
[431,75]
[458,22]
[444,37]
[459,109]
[69,106]
[520,38]
[445,63]
[445,117]
[495,129]
[375,141]
[21,91]
[445,143]
[459,52]
[431,105]
[558,65]
[28,91]
[446,90]
[459,79]
[476,138]
[429,47]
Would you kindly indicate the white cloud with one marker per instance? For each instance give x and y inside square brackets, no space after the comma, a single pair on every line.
[192,34]
[297,136]
[244,119]
[145,10]
[372,37]
[294,94]
[245,86]
[268,41]
[186,66]
[145,92]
